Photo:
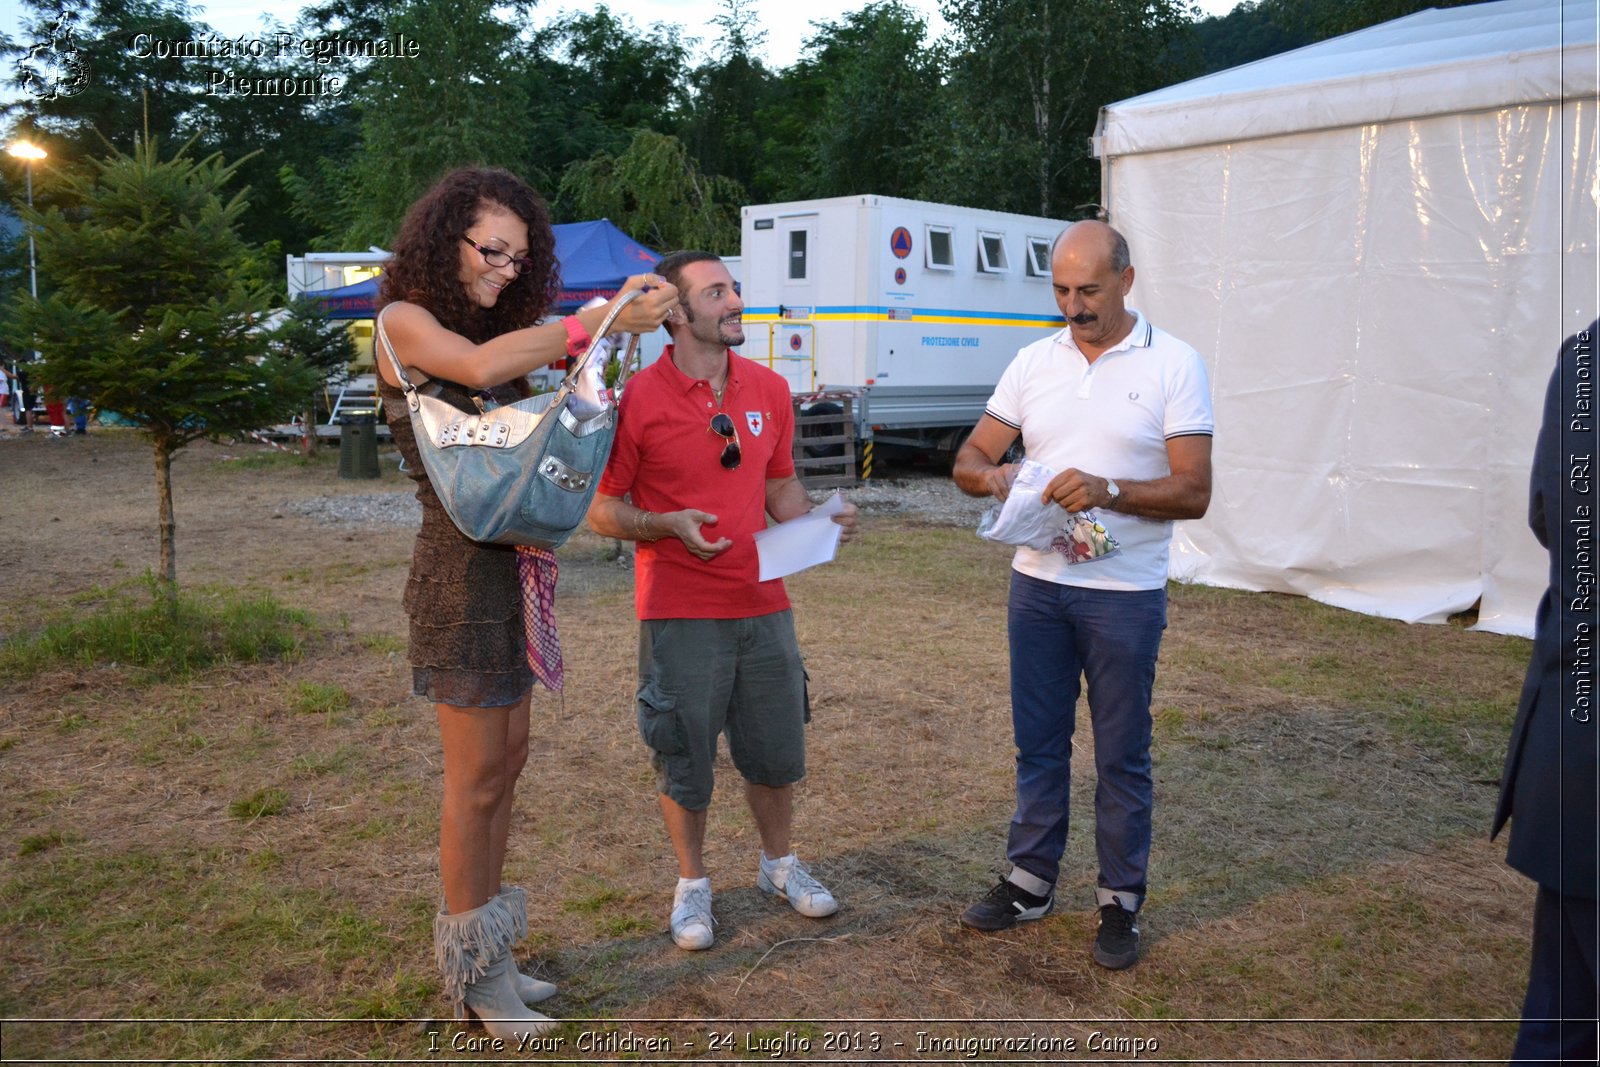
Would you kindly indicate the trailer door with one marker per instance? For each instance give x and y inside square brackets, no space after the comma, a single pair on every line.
[793,341]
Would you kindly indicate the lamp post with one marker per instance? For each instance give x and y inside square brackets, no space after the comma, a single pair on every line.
[28,153]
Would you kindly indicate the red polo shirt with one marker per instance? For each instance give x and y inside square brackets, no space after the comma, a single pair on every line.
[666,458]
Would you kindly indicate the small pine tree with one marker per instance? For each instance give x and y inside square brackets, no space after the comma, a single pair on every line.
[155,309]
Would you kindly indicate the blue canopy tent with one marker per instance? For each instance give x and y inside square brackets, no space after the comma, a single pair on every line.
[595,259]
[348,301]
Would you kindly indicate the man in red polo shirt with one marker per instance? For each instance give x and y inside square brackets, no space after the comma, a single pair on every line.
[703,455]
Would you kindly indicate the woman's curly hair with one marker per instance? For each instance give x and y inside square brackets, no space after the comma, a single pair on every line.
[425,268]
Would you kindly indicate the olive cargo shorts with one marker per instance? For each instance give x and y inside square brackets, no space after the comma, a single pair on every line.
[699,678]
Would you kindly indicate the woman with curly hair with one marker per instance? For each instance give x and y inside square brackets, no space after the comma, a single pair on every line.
[473,272]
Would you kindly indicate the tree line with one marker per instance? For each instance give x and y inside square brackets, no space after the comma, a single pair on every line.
[664,129]
[171,194]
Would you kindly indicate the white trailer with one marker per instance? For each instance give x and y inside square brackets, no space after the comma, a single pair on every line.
[912,309]
[356,390]
[316,271]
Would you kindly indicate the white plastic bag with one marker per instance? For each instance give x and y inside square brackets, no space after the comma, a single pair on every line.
[1026,518]
[589,395]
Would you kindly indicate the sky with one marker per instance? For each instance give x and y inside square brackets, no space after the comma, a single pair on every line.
[786,22]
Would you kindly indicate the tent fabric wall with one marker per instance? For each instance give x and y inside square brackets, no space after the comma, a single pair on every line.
[1380,306]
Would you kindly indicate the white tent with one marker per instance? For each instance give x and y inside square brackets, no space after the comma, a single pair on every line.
[1378,242]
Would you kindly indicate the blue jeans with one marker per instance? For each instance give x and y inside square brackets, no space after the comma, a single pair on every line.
[1059,633]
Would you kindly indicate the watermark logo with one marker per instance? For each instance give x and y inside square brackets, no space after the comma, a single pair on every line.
[56,68]
[252,78]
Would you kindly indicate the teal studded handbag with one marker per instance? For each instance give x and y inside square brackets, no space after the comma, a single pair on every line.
[522,473]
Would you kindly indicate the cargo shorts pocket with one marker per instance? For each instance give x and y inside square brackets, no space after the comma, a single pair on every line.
[659,723]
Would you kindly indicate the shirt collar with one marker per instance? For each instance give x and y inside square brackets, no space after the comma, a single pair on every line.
[686,383]
[1139,337]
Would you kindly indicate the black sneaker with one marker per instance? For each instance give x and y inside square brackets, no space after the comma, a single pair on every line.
[1116,942]
[1005,906]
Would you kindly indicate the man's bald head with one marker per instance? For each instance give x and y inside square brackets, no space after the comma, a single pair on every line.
[1091,237]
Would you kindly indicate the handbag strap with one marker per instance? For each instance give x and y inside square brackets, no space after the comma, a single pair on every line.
[599,335]
[572,372]
[394,360]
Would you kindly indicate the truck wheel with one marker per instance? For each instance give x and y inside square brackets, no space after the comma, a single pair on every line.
[825,407]
[957,439]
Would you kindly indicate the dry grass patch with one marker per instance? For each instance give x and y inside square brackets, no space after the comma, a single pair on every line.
[1410,945]
[259,839]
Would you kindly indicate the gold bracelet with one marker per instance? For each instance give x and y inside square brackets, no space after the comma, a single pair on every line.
[641,526]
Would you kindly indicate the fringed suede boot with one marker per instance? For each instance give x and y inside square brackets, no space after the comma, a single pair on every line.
[473,950]
[531,990]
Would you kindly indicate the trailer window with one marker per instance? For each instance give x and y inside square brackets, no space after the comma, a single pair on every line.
[992,253]
[797,255]
[1038,257]
[941,248]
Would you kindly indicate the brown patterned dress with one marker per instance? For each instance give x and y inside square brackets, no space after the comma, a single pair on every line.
[463,597]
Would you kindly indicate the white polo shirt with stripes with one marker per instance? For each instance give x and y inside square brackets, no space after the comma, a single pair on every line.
[1111,418]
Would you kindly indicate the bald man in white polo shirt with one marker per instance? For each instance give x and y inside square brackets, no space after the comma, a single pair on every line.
[1122,410]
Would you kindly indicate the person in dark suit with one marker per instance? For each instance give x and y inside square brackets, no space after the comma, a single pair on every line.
[1549,789]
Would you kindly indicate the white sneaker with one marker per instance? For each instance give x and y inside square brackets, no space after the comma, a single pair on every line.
[691,914]
[788,878]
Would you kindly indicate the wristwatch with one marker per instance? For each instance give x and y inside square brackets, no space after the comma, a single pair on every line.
[577,336]
[1116,494]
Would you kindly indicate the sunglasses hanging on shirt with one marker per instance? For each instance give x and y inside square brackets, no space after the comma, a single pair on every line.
[723,427]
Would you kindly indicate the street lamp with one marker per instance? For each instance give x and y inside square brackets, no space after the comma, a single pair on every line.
[28,153]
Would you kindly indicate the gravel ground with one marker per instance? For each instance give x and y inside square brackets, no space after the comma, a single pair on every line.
[933,498]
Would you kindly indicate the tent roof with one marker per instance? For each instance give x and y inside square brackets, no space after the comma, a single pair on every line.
[365,287]
[353,301]
[598,255]
[1482,56]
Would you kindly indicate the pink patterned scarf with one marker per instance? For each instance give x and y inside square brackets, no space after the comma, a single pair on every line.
[536,567]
